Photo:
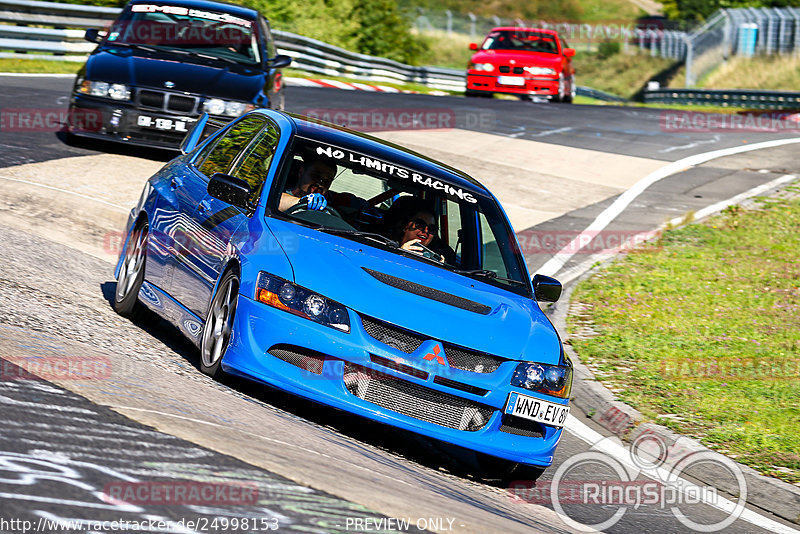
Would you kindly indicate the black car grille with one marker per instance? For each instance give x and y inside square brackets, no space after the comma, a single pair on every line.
[505,69]
[299,357]
[164,101]
[414,400]
[402,340]
[512,424]
[468,360]
[408,342]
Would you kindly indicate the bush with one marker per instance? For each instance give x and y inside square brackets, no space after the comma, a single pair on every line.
[606,49]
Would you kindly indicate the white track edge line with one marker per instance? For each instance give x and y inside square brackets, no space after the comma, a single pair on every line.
[560,258]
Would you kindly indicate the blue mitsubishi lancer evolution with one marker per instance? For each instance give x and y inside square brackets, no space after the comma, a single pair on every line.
[355,273]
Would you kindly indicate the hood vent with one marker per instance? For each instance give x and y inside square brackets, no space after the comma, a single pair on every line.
[429,292]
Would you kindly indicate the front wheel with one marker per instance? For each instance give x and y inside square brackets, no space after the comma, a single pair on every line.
[131,274]
[218,327]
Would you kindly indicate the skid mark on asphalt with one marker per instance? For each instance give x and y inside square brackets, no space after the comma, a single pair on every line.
[59,464]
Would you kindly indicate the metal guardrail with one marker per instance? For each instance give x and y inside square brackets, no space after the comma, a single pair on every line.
[745,98]
[30,42]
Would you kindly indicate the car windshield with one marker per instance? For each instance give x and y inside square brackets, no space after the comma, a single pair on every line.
[434,219]
[185,30]
[527,41]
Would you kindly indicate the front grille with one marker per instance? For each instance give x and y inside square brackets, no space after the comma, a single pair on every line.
[429,292]
[151,99]
[468,360]
[505,69]
[407,341]
[181,104]
[518,70]
[402,340]
[414,400]
[299,357]
[399,367]
[512,424]
[442,381]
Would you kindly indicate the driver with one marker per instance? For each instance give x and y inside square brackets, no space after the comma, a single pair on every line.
[314,179]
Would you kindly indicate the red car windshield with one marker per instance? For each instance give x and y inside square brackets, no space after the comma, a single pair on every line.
[525,41]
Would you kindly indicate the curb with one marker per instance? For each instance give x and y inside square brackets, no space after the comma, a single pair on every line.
[353,86]
[602,406]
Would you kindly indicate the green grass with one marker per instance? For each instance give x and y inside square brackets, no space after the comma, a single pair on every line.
[39,66]
[620,74]
[703,326]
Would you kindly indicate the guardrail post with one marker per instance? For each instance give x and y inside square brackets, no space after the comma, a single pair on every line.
[449,21]
[472,19]
[689,60]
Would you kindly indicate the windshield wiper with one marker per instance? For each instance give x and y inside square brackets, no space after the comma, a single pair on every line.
[489,274]
[357,233]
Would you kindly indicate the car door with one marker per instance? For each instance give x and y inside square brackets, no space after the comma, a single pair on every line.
[246,152]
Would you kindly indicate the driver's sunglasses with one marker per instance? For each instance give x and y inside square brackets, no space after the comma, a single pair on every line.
[419,224]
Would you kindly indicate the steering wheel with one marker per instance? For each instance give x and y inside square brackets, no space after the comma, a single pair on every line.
[303,206]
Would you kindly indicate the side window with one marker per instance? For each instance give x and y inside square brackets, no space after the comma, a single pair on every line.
[253,166]
[230,145]
[490,250]
[452,235]
[268,42]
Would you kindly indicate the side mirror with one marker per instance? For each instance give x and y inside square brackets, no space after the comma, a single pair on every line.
[230,189]
[279,62]
[569,52]
[546,288]
[473,46]
[92,35]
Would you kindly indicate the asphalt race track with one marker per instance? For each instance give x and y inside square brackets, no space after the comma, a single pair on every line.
[298,466]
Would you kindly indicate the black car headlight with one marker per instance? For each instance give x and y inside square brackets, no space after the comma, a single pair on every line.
[286,296]
[553,380]
[114,91]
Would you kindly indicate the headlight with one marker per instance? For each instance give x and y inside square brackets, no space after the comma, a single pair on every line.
[548,379]
[217,106]
[487,67]
[289,297]
[540,71]
[115,91]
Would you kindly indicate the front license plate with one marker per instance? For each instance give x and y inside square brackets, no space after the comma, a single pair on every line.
[511,80]
[537,410]
[158,123]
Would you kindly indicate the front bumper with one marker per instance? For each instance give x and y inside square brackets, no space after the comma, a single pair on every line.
[350,372]
[531,85]
[120,121]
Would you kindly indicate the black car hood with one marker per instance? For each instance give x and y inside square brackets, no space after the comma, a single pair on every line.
[191,75]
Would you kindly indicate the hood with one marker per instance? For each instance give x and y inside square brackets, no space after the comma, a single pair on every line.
[336,267]
[148,69]
[521,59]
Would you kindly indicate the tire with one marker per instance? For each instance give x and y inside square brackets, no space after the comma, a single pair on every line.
[218,327]
[131,274]
[569,97]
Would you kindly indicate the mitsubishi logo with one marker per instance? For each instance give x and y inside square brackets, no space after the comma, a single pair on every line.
[435,354]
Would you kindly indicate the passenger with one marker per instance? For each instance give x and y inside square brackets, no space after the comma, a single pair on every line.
[314,179]
[412,223]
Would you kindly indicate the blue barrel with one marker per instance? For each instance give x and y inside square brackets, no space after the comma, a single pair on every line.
[748,32]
